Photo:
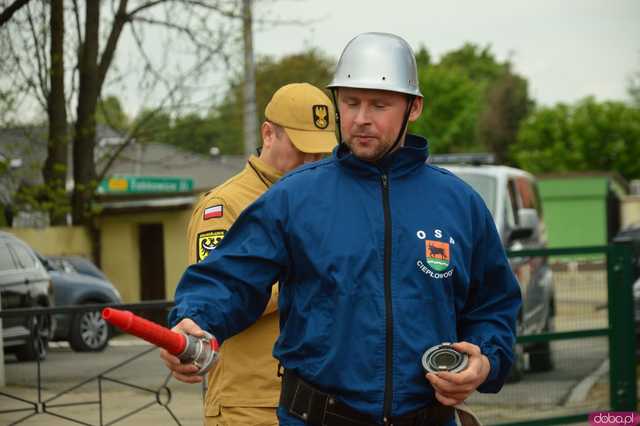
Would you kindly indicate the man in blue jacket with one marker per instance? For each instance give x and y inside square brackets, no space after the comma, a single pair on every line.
[379,257]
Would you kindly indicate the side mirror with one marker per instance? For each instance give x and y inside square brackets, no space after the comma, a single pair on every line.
[528,222]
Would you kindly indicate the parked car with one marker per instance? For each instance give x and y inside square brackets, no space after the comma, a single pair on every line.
[631,235]
[77,281]
[24,283]
[512,197]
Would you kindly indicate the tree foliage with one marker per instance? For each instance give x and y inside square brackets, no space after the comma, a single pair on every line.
[110,113]
[473,102]
[452,103]
[506,105]
[633,88]
[222,125]
[190,132]
[587,136]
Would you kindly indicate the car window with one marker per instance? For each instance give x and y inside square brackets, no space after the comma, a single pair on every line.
[6,262]
[484,185]
[60,265]
[510,206]
[528,194]
[25,258]
[512,201]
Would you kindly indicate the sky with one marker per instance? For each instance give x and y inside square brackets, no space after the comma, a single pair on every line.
[567,49]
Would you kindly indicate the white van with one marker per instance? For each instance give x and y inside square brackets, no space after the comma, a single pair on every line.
[512,197]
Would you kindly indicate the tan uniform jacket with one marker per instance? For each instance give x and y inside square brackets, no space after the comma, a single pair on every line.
[245,375]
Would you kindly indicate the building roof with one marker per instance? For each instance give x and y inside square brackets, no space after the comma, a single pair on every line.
[149,159]
[154,159]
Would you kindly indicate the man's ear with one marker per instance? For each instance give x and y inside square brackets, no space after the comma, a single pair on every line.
[416,108]
[268,134]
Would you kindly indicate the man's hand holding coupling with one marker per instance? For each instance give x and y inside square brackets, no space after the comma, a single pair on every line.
[186,373]
[454,388]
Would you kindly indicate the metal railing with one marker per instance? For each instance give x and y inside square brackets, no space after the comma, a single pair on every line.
[619,332]
[161,395]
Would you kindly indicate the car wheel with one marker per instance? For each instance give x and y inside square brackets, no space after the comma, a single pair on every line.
[89,332]
[540,354]
[37,345]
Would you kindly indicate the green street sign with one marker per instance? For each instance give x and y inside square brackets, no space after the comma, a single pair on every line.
[144,184]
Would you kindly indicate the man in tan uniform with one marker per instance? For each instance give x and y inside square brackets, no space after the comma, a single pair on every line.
[244,387]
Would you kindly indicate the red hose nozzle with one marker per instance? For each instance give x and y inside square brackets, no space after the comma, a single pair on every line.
[200,351]
[161,336]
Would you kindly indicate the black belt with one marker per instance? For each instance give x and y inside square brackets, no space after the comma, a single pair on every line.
[318,408]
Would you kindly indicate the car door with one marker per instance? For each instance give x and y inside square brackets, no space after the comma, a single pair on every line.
[13,291]
[35,276]
[534,270]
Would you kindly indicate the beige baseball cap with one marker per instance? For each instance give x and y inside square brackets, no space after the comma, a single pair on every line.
[307,116]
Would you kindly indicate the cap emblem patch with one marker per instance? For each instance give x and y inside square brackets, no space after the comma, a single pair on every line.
[321,116]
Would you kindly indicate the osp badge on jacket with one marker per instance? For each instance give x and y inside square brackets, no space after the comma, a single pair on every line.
[437,255]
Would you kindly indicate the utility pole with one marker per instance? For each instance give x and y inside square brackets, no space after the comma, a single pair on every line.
[250,119]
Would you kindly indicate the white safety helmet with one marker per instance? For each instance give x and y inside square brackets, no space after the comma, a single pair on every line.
[379,61]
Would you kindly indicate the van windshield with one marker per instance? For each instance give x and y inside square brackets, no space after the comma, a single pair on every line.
[484,185]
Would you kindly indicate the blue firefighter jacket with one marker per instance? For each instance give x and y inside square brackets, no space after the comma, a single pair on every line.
[376,264]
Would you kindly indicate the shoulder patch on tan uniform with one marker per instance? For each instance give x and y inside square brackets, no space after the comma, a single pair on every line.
[208,241]
[213,212]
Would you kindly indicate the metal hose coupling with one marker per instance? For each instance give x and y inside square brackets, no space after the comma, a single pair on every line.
[201,352]
[444,357]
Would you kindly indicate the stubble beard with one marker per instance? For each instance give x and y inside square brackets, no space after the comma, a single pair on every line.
[370,154]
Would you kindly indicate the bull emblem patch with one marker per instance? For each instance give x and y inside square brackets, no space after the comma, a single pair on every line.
[437,254]
[207,241]
[321,116]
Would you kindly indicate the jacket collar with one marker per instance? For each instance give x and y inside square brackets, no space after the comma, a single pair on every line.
[269,173]
[413,154]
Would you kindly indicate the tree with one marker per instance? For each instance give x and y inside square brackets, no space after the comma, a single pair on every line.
[473,102]
[634,89]
[110,113]
[198,134]
[479,64]
[586,136]
[199,28]
[54,172]
[505,106]
[452,103]
[222,125]
[10,10]
[153,126]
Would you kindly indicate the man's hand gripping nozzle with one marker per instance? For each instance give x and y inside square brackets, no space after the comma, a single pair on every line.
[200,351]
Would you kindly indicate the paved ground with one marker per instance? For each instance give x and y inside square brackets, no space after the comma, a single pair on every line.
[132,387]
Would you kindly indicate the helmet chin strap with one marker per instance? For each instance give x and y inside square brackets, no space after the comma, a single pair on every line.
[335,104]
[405,120]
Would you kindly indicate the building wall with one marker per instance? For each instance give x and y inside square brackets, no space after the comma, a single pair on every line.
[575,210]
[630,210]
[120,254]
[55,240]
[120,251]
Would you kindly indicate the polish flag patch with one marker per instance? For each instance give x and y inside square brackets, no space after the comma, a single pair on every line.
[213,212]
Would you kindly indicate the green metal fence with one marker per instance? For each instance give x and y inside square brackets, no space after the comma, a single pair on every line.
[605,321]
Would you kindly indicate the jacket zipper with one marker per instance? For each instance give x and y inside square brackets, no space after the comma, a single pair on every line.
[388,381]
